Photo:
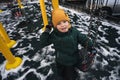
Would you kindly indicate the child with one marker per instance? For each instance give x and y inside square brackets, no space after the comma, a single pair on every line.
[65,40]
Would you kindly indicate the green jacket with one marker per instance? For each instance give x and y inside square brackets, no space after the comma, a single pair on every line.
[65,44]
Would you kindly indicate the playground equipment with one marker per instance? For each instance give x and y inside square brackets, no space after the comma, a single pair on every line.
[6,43]
[55,4]
[43,10]
[20,5]
[12,61]
[1,11]
[6,38]
[44,15]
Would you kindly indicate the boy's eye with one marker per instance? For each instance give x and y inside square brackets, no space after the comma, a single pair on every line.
[62,22]
[59,23]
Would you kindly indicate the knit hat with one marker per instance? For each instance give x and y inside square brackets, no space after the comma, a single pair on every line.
[59,15]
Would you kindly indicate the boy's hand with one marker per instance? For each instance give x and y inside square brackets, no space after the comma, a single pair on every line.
[48,28]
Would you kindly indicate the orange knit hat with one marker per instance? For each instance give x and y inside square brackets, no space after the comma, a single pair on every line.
[59,15]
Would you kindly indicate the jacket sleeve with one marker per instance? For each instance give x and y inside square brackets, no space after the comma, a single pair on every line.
[84,40]
[45,39]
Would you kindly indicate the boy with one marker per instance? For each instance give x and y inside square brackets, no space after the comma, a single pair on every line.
[65,40]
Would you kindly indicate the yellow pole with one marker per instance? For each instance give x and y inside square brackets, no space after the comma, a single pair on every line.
[12,62]
[55,4]
[1,11]
[5,37]
[44,15]
[20,5]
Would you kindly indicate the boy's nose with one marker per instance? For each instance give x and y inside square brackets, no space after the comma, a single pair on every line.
[62,24]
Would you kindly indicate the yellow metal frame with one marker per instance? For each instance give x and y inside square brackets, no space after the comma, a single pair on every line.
[44,15]
[12,61]
[1,11]
[5,37]
[19,3]
[55,4]
[43,10]
[5,42]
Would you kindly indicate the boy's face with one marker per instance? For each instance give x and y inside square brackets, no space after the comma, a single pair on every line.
[63,26]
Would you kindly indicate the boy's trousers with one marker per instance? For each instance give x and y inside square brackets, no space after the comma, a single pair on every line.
[65,72]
